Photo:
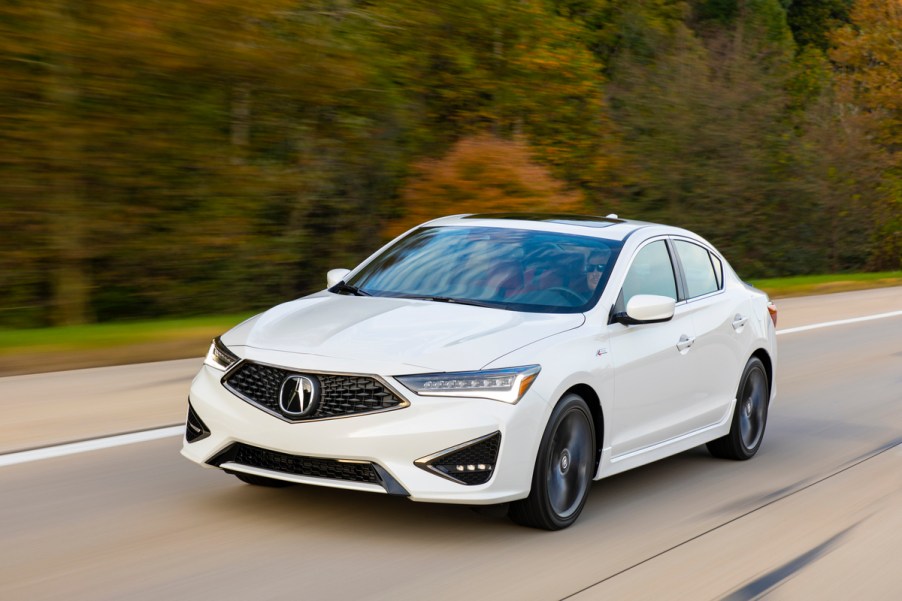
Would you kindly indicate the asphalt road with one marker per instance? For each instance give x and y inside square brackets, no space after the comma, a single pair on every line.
[817,514]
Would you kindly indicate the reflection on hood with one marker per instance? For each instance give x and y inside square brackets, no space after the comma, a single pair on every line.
[433,335]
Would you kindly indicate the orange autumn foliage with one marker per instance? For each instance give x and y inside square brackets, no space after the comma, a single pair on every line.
[868,53]
[482,174]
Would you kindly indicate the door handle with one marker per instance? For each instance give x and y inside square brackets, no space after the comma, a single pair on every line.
[685,342]
[739,321]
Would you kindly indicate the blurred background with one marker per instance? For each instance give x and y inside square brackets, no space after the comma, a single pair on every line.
[172,158]
[170,167]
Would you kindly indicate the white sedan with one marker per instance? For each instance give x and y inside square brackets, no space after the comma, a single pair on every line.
[490,359]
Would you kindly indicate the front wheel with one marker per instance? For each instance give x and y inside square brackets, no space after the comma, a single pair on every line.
[749,416]
[563,470]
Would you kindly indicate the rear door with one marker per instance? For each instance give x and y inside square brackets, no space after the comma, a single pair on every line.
[720,317]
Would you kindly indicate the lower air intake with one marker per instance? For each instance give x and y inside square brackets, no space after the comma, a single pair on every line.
[297,465]
[314,467]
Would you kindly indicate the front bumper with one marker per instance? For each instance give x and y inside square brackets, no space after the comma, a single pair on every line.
[391,441]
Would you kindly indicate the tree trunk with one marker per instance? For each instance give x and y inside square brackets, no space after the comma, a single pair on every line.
[240,126]
[67,207]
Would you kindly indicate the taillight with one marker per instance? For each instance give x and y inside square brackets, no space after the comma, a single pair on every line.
[772,310]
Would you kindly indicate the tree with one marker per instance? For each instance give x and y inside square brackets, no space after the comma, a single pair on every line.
[841,167]
[708,138]
[171,150]
[812,21]
[868,54]
[177,157]
[511,68]
[482,174]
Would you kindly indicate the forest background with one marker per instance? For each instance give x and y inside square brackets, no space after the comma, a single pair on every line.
[195,157]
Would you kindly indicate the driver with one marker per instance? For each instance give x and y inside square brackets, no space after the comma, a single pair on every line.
[596,263]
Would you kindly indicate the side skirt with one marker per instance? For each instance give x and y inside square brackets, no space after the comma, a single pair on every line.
[614,465]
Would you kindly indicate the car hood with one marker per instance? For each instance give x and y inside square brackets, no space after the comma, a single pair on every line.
[373,334]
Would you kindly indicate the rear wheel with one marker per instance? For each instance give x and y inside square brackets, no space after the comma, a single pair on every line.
[261,480]
[749,416]
[563,470]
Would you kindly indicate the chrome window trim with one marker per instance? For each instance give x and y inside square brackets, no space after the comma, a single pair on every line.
[704,296]
[722,284]
[673,265]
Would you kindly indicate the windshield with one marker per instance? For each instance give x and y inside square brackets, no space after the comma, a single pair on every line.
[521,270]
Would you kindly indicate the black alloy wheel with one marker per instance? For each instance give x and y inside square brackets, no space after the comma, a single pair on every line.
[564,469]
[749,416]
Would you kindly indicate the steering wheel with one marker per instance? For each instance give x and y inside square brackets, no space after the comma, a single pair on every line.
[568,294]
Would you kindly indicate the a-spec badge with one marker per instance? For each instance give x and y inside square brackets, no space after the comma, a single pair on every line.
[299,396]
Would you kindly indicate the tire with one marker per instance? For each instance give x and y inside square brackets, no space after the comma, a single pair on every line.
[749,416]
[261,480]
[564,469]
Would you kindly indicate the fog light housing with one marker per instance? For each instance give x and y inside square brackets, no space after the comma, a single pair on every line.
[470,463]
[195,428]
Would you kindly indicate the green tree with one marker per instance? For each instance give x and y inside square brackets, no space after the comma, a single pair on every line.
[509,68]
[812,21]
[163,161]
[868,54]
[708,143]
[184,157]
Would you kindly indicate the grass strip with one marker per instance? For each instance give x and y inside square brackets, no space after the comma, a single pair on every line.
[111,335]
[805,285]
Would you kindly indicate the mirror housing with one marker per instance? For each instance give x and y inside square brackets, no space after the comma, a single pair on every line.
[646,308]
[335,275]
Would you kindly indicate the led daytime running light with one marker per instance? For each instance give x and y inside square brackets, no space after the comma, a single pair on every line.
[499,382]
[507,385]
[220,357]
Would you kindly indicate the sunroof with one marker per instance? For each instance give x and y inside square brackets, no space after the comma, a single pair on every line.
[563,219]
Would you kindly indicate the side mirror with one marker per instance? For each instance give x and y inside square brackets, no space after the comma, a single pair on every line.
[647,308]
[335,275]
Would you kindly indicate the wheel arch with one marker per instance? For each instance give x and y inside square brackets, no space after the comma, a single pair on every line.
[589,395]
[765,358]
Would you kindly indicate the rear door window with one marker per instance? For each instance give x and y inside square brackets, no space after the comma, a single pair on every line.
[698,267]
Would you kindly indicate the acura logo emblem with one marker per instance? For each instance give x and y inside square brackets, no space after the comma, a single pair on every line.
[298,396]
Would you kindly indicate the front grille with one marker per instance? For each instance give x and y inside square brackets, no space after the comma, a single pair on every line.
[341,395]
[470,464]
[298,465]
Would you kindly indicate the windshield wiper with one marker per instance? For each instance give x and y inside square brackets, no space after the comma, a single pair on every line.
[456,301]
[343,287]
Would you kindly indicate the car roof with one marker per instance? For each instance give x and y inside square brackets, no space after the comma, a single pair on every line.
[610,227]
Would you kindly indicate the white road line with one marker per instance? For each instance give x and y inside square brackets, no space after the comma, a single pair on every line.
[841,322]
[73,448]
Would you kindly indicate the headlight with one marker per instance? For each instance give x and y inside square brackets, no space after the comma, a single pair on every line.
[219,357]
[508,385]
